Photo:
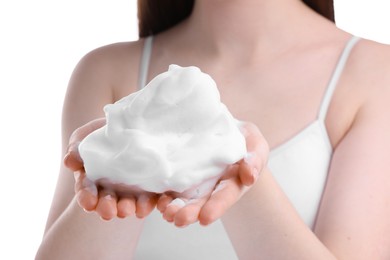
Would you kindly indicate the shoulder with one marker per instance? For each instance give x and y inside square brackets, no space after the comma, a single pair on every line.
[363,90]
[369,67]
[371,64]
[96,80]
[115,52]
[115,64]
[368,73]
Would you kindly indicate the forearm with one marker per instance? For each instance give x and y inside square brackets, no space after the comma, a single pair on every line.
[264,225]
[80,235]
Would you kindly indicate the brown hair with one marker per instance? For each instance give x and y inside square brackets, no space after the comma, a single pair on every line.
[155,16]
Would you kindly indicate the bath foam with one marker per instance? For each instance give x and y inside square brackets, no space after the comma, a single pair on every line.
[172,135]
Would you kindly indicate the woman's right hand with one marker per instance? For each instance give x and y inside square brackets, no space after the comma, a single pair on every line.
[103,199]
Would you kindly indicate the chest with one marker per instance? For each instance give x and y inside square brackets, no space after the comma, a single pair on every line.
[282,96]
[280,104]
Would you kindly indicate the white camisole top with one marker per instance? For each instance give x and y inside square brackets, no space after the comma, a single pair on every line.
[300,166]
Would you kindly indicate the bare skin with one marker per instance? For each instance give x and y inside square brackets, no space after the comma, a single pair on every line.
[111,200]
[263,56]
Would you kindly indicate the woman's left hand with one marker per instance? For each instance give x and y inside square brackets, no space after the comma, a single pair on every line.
[237,179]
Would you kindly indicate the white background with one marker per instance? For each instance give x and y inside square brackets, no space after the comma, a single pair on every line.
[40,43]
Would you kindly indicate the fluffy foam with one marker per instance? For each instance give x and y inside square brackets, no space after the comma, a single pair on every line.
[172,135]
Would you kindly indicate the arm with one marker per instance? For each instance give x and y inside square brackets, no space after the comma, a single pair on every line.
[353,220]
[70,232]
[354,216]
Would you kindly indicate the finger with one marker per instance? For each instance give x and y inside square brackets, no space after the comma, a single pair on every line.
[257,156]
[126,207]
[189,214]
[226,193]
[86,200]
[82,182]
[86,191]
[107,204]
[172,208]
[72,159]
[246,171]
[81,132]
[145,204]
[163,202]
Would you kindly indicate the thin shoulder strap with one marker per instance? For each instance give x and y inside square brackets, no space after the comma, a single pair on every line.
[336,76]
[145,59]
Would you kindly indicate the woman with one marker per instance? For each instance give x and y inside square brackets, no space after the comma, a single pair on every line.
[317,94]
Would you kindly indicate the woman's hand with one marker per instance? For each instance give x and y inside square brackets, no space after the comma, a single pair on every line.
[237,179]
[106,199]
[110,200]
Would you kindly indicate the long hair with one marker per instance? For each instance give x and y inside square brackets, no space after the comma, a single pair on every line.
[155,16]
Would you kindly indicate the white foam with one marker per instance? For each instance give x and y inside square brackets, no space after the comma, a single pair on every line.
[172,135]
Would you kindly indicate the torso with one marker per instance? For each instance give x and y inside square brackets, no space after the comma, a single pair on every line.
[271,95]
[279,94]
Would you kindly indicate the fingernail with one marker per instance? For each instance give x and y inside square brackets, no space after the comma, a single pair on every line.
[90,186]
[76,175]
[73,147]
[249,158]
[66,157]
[219,187]
[177,202]
[105,220]
[240,123]
[143,199]
[108,197]
[87,211]
[255,173]
[243,130]
[182,226]
[192,201]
